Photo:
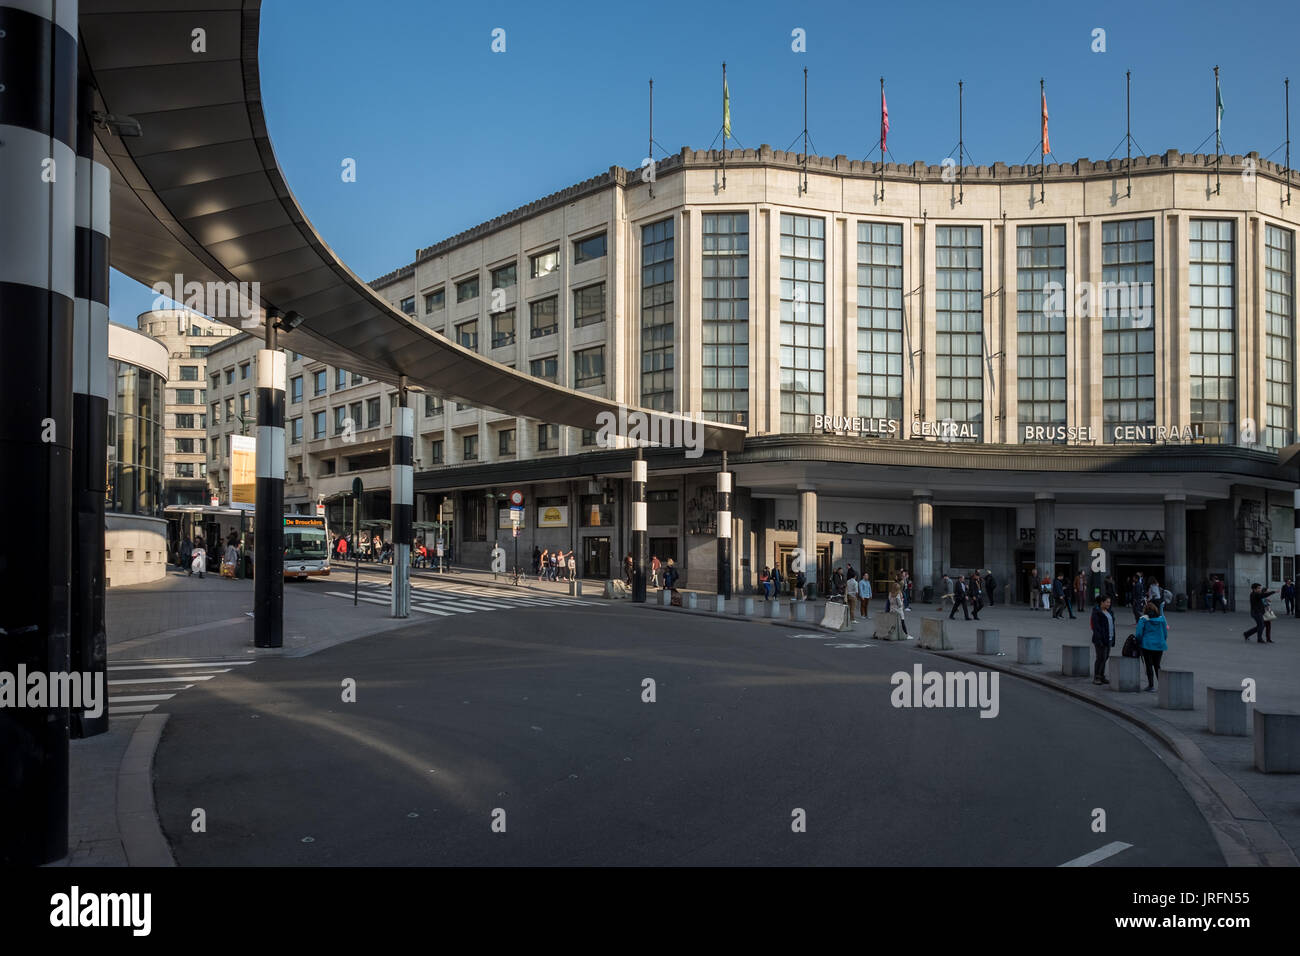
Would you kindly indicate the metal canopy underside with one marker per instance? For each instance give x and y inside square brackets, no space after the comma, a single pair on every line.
[200,194]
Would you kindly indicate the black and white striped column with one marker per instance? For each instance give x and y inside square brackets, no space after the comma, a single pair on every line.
[724,530]
[38,51]
[268,553]
[88,645]
[403,502]
[638,528]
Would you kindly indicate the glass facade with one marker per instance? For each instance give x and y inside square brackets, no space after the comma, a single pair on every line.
[725,303]
[1128,338]
[1212,328]
[803,321]
[1279,331]
[959,324]
[1040,326]
[135,440]
[657,315]
[880,320]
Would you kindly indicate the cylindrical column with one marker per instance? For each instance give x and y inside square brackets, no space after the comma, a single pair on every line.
[808,532]
[1176,544]
[1296,503]
[1045,536]
[639,542]
[88,644]
[403,503]
[38,178]
[724,530]
[923,541]
[268,554]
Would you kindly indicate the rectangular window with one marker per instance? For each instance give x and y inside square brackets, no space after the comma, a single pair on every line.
[1128,338]
[295,431]
[340,419]
[318,425]
[880,320]
[185,421]
[467,335]
[1212,328]
[547,368]
[588,437]
[589,367]
[354,413]
[597,512]
[216,413]
[216,380]
[202,421]
[503,277]
[408,305]
[295,389]
[593,247]
[506,441]
[374,412]
[548,437]
[1279,316]
[503,328]
[318,382]
[185,446]
[230,409]
[1040,326]
[199,351]
[661,507]
[542,317]
[436,456]
[340,379]
[467,289]
[544,263]
[589,305]
[357,378]
[230,376]
[959,322]
[184,469]
[803,321]
[245,369]
[245,404]
[470,447]
[434,300]
[189,373]
[657,315]
[184,396]
[432,405]
[725,301]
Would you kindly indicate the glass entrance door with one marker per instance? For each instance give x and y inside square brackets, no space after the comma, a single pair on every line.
[882,566]
[595,558]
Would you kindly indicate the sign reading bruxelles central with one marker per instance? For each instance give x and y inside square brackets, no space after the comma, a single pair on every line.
[948,429]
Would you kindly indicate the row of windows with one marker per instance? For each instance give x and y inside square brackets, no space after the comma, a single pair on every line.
[543,318]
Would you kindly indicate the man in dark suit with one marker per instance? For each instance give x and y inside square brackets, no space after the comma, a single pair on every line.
[959,595]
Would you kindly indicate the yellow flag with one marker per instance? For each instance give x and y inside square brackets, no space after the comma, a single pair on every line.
[726,110]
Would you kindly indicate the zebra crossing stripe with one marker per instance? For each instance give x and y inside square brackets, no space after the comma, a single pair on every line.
[194,664]
[140,698]
[429,610]
[136,709]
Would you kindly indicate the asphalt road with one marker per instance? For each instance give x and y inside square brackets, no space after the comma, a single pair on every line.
[539,713]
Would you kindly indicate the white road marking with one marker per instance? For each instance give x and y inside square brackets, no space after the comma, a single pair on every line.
[848,645]
[1096,856]
[133,709]
[139,698]
[162,680]
[196,665]
[429,610]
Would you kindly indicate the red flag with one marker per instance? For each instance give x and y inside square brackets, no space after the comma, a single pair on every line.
[884,122]
[1047,143]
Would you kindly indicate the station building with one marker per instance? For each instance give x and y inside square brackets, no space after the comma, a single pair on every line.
[939,370]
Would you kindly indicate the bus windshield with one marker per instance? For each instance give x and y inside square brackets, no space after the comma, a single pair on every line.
[304,544]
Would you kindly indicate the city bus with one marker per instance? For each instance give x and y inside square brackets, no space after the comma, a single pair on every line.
[306,537]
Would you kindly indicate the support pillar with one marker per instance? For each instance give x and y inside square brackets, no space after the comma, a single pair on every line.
[402,502]
[808,531]
[88,644]
[268,549]
[37,291]
[1175,544]
[724,530]
[639,542]
[1045,535]
[923,541]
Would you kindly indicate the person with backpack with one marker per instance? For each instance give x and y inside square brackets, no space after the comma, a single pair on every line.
[1103,638]
[1152,634]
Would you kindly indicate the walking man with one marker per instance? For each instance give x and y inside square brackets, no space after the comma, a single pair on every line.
[864,595]
[959,595]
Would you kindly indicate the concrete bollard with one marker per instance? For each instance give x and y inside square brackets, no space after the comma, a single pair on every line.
[666,597]
[692,599]
[1277,741]
[934,634]
[1174,692]
[1125,674]
[719,604]
[1076,660]
[774,608]
[1225,712]
[1029,650]
[800,610]
[987,640]
[747,606]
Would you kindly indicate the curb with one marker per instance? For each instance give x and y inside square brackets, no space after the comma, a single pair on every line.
[777,622]
[1245,835]
[137,816]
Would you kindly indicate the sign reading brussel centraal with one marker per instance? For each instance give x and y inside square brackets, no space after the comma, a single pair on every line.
[863,427]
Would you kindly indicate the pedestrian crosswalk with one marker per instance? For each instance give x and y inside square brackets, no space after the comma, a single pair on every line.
[449,600]
[136,689]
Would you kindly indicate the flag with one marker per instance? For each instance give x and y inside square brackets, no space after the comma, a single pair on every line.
[884,122]
[1047,144]
[726,111]
[1218,105]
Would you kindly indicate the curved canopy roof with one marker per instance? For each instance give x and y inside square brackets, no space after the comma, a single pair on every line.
[199,193]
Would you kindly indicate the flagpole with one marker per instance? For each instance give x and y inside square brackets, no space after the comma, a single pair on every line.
[651,149]
[1286,85]
[1218,141]
[1128,126]
[1042,144]
[961,148]
[882,137]
[804,188]
[724,124]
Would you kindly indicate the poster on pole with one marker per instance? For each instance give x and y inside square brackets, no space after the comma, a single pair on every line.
[243,472]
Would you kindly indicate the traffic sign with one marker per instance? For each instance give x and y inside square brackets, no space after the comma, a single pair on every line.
[517,499]
[356,487]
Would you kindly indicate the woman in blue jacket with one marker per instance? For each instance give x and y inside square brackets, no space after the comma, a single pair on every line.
[1152,634]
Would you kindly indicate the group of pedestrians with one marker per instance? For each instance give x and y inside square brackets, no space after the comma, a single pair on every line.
[970,595]
[194,556]
[556,565]
[1150,636]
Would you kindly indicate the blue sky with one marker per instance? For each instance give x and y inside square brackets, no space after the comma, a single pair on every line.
[447,133]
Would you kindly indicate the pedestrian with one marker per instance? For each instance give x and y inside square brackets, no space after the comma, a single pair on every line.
[864,595]
[1220,595]
[627,569]
[776,580]
[850,590]
[959,596]
[1046,588]
[1288,596]
[187,554]
[765,583]
[670,575]
[537,559]
[231,558]
[656,566]
[945,592]
[198,562]
[1103,638]
[1152,635]
[898,607]
[976,590]
[1156,594]
[543,562]
[907,589]
[1108,589]
[837,581]
[1257,608]
[801,585]
[1059,598]
[989,585]
[573,567]
[1080,596]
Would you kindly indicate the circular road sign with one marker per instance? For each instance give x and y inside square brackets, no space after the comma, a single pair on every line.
[516,498]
